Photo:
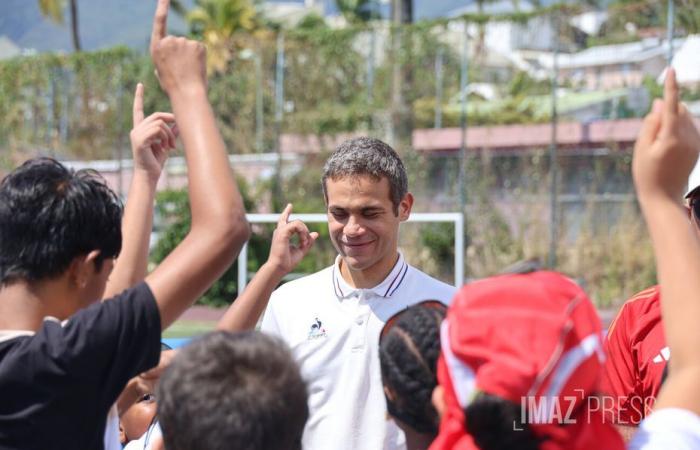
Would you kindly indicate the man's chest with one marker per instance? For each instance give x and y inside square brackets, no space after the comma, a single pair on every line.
[335,335]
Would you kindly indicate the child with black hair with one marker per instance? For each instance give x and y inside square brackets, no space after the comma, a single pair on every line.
[409,346]
[63,363]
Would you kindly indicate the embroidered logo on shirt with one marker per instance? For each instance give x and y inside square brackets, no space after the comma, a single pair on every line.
[317,331]
[663,355]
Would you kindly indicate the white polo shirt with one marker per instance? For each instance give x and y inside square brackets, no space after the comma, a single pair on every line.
[333,330]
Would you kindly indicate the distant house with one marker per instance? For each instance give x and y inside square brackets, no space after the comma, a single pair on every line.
[507,37]
[611,66]
[8,49]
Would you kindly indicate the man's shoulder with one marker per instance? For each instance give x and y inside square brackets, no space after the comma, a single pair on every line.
[424,283]
[323,279]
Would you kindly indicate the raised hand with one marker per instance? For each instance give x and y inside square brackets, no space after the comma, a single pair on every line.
[151,138]
[667,146]
[284,255]
[180,62]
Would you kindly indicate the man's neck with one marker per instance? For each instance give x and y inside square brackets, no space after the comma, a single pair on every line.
[371,276]
[23,306]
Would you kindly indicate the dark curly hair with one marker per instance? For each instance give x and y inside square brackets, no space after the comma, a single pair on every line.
[497,424]
[408,352]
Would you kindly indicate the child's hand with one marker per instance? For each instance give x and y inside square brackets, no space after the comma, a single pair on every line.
[285,256]
[667,147]
[151,138]
[180,62]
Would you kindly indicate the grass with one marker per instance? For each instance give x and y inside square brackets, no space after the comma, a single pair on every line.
[188,328]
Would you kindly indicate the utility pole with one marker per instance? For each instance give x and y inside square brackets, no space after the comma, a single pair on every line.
[438,86]
[463,84]
[277,192]
[401,114]
[554,201]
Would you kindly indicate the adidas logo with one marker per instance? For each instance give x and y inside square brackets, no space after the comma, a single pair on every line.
[663,355]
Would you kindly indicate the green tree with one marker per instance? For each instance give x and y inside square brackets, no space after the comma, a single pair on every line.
[652,13]
[173,209]
[53,9]
[216,22]
[358,11]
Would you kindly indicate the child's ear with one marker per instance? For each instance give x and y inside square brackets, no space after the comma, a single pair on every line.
[438,399]
[389,393]
[82,268]
[122,435]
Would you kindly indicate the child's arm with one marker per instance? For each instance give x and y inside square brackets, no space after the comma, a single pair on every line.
[245,311]
[151,140]
[219,227]
[665,152]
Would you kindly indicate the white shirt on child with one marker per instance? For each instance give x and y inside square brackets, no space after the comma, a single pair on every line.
[668,428]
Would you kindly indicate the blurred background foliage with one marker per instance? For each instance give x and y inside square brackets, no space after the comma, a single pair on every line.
[78,106]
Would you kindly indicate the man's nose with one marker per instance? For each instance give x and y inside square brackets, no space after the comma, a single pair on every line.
[353,227]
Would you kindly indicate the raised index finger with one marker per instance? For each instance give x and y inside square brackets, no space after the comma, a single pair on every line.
[284,217]
[670,93]
[138,105]
[160,22]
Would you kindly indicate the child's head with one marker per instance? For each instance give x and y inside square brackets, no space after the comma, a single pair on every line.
[409,346]
[137,408]
[50,217]
[520,363]
[227,390]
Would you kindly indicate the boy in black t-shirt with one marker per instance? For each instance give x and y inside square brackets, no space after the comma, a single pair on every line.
[64,358]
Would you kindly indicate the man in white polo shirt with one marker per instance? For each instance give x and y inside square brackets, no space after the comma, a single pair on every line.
[332,319]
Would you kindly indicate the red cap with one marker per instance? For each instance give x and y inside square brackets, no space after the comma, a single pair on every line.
[535,340]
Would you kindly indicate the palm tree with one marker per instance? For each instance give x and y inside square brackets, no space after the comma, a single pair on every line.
[53,9]
[216,22]
[358,11]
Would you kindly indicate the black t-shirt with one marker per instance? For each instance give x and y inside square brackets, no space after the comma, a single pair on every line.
[57,385]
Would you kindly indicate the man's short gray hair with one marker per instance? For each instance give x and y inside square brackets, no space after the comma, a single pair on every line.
[368,156]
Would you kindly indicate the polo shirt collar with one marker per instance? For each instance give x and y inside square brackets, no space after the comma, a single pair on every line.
[384,289]
[6,335]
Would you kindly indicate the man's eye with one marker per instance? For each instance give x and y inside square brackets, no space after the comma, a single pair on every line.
[147,398]
[339,214]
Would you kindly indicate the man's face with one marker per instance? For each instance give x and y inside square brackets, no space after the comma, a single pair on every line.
[137,408]
[361,220]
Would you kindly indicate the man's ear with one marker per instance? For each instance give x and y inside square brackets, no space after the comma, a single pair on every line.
[83,268]
[438,399]
[405,206]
